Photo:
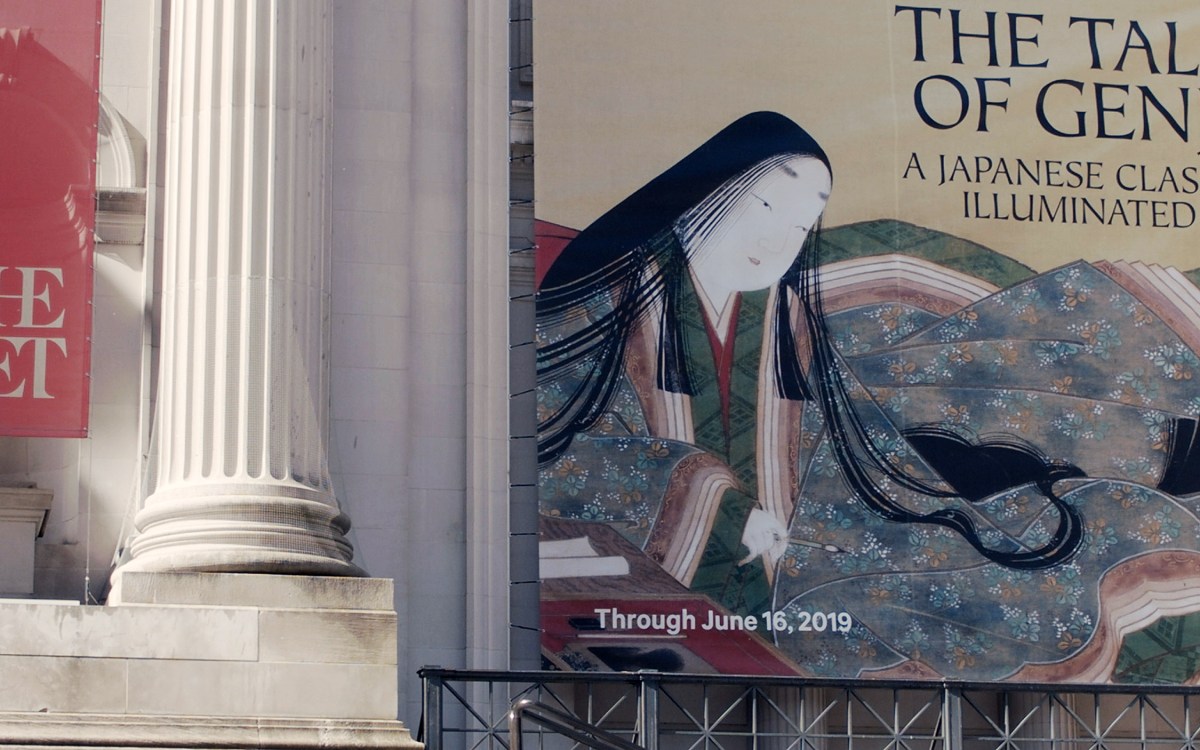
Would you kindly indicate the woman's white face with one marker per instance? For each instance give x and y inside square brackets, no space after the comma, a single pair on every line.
[766,227]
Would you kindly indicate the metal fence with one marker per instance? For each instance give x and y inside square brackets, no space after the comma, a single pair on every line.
[469,710]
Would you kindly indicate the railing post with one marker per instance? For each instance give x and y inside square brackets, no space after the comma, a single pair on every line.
[952,738]
[433,711]
[648,708]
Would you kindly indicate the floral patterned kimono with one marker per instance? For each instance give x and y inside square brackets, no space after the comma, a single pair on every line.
[1093,365]
[1079,362]
[677,475]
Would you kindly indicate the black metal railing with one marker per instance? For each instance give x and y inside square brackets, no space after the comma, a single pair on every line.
[528,711]
[471,710]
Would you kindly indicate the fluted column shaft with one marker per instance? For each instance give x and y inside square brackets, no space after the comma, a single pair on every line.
[241,478]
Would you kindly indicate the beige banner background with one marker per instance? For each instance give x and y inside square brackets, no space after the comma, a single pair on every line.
[627,87]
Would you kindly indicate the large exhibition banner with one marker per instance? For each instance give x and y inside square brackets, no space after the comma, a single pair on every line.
[49,108]
[869,338]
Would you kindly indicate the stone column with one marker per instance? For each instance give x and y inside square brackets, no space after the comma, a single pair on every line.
[240,478]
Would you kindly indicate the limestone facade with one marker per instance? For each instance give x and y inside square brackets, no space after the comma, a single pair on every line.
[368,179]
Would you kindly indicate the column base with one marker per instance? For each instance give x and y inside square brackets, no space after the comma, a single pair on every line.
[242,528]
[229,648]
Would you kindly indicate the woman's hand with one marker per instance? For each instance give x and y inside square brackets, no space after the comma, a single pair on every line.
[764,535]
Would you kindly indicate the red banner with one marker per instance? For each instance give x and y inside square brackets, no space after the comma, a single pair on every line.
[49,109]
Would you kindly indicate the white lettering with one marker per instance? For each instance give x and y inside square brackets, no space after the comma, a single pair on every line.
[30,295]
[41,348]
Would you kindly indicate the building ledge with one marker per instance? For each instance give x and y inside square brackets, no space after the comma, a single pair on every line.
[121,216]
[101,731]
[23,512]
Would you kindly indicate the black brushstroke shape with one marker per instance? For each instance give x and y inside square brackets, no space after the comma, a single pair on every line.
[979,470]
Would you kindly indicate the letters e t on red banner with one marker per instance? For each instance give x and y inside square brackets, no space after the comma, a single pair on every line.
[49,109]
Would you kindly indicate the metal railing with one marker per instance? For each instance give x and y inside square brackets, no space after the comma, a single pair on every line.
[470,710]
[563,723]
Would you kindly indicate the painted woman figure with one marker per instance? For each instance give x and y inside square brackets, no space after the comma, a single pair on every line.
[659,325]
[709,388]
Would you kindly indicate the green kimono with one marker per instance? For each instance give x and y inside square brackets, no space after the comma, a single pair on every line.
[625,475]
[725,422]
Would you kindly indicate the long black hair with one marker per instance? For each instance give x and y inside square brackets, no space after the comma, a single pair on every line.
[974,470]
[631,261]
